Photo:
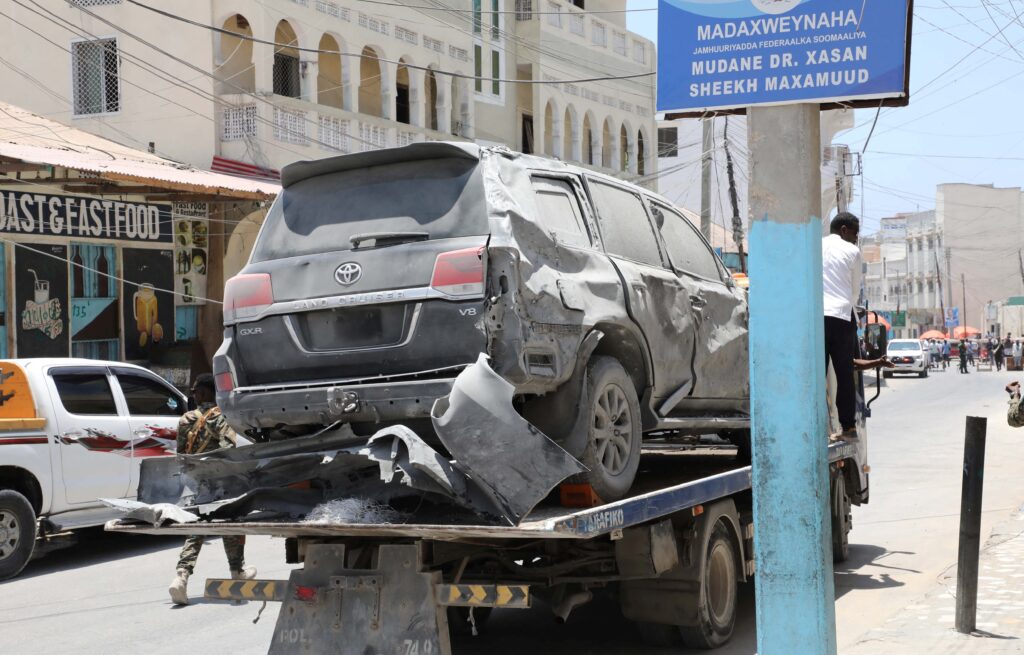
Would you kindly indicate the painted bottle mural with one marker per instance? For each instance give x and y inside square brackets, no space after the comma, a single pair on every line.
[145,305]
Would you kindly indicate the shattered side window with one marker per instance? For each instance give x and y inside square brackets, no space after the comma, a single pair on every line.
[560,212]
[625,228]
[685,248]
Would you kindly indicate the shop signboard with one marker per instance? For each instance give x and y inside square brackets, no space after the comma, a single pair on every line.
[148,301]
[191,252]
[899,319]
[731,54]
[40,299]
[79,217]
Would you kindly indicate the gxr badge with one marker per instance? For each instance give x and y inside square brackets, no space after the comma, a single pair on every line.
[348,273]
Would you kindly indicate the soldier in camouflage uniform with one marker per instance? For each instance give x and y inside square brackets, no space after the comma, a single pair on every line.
[1015,413]
[201,430]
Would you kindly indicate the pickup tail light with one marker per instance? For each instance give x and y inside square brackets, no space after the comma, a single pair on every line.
[225,382]
[246,296]
[459,272]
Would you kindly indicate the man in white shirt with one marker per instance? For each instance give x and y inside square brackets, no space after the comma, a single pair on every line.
[841,275]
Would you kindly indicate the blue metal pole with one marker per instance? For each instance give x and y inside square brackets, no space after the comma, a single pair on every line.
[795,593]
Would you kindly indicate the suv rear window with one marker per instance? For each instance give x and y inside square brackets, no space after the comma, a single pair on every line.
[442,197]
[625,229]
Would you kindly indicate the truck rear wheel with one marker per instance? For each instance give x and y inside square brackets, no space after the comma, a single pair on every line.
[612,452]
[17,533]
[842,519]
[716,608]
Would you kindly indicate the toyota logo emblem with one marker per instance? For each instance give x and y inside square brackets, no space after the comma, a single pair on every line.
[348,273]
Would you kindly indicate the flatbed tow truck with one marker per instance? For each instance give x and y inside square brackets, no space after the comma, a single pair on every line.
[675,552]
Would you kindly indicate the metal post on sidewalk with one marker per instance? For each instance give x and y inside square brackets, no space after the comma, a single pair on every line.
[795,592]
[970,525]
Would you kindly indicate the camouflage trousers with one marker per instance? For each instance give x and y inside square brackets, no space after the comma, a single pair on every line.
[234,547]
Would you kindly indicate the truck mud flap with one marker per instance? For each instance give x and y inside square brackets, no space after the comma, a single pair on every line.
[391,608]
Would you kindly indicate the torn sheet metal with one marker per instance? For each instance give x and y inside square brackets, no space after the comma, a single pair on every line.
[513,462]
[157,514]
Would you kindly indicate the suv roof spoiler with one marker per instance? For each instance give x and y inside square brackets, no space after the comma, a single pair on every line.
[303,170]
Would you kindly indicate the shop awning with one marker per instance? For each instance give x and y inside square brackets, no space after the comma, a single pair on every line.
[32,139]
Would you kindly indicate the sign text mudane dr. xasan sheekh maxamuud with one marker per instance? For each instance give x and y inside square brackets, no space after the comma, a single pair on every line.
[39,214]
[725,54]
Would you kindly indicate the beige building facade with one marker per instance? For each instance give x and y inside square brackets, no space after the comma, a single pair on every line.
[248,86]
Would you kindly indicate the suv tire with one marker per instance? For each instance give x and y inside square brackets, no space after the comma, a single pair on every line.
[17,533]
[612,452]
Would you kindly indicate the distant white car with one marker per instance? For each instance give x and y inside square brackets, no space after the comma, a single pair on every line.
[909,356]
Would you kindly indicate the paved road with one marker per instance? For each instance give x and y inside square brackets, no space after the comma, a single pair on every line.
[108,594]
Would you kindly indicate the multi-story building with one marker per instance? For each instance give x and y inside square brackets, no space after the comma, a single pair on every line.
[247,86]
[925,273]
[679,148]
[982,238]
[886,271]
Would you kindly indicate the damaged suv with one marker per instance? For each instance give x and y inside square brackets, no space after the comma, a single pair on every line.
[378,277]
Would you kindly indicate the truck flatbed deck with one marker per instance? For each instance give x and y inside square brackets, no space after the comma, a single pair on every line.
[659,492]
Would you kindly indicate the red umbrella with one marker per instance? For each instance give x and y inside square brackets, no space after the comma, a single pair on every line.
[966,331]
[934,334]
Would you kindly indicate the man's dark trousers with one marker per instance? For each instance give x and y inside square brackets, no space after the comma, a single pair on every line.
[841,348]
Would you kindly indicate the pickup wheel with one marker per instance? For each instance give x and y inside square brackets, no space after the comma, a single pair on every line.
[17,533]
[716,607]
[612,452]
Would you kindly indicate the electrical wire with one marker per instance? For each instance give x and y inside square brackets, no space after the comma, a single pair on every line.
[253,39]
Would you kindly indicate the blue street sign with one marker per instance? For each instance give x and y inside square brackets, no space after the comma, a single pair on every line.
[722,54]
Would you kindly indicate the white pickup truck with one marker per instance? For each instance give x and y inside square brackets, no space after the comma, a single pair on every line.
[73,431]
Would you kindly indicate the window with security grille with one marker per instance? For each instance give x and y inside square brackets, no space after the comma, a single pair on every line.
[598,34]
[372,136]
[290,126]
[576,24]
[619,43]
[237,123]
[554,15]
[97,88]
[668,142]
[639,52]
[433,44]
[333,133]
[524,9]
[286,75]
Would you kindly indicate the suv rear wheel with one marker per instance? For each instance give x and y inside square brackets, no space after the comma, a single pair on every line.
[612,452]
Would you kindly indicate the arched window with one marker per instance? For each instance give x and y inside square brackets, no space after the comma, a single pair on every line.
[641,154]
[402,94]
[329,82]
[588,140]
[430,98]
[235,71]
[370,97]
[606,143]
[286,61]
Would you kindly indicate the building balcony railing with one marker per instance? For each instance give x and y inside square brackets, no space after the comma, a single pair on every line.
[288,129]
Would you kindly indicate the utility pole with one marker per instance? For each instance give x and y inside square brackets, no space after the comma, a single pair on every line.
[938,277]
[963,314]
[1020,260]
[949,278]
[792,543]
[737,224]
[708,124]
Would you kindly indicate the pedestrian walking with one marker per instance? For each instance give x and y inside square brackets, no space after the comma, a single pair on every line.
[1016,353]
[997,355]
[200,430]
[841,275]
[945,353]
[972,350]
[962,351]
[934,353]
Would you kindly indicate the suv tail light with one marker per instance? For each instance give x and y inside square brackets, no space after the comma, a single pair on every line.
[225,381]
[459,272]
[245,296]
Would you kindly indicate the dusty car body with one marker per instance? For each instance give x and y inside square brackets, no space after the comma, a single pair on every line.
[378,277]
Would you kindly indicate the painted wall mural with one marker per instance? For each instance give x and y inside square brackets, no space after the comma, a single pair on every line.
[41,292]
[148,301]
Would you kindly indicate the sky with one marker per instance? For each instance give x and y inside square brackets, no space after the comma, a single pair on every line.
[964,122]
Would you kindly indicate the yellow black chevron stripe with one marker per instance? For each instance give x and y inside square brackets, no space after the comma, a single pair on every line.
[267,590]
[483,595]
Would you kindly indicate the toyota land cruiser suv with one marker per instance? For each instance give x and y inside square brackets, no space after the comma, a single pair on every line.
[378,276]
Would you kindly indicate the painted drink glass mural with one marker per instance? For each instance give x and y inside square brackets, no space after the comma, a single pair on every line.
[40,298]
[148,302]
